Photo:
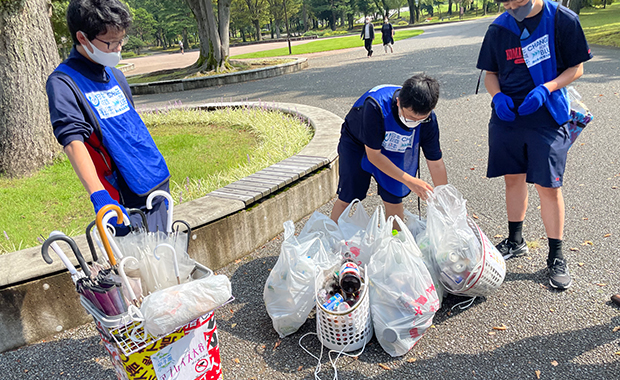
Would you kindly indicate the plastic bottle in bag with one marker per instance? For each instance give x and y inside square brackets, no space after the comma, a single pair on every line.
[350,279]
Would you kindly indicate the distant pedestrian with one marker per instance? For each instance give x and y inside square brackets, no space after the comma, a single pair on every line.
[387,34]
[368,35]
[181,47]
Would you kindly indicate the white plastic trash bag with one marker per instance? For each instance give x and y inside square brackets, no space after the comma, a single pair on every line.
[375,235]
[321,226]
[403,299]
[166,310]
[417,227]
[353,224]
[289,290]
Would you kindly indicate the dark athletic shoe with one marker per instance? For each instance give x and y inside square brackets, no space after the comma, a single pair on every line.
[510,249]
[370,54]
[558,274]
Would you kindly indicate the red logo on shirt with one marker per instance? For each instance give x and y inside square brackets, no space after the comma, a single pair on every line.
[515,54]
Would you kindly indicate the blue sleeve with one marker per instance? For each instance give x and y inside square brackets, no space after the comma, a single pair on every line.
[487,59]
[429,139]
[373,129]
[572,46]
[67,113]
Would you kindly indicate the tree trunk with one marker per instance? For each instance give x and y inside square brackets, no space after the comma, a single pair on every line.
[28,55]
[449,7]
[185,41]
[304,16]
[213,53]
[573,5]
[223,12]
[411,11]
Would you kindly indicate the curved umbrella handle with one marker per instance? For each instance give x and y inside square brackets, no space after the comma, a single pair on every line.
[121,271]
[74,248]
[149,205]
[174,253]
[189,228]
[132,211]
[89,240]
[101,228]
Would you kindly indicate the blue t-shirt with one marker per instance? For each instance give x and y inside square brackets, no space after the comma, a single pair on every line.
[365,127]
[501,53]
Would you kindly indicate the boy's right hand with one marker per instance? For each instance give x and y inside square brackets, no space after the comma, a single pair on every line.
[503,106]
[102,198]
[419,187]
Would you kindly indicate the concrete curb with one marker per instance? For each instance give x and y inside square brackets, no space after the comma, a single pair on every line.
[38,300]
[126,67]
[218,80]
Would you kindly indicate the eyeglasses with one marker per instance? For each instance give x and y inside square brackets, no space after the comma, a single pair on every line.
[426,120]
[115,44]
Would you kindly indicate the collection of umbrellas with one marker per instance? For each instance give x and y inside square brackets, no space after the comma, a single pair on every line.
[133,265]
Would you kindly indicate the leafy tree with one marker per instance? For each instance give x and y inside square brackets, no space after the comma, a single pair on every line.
[135,44]
[60,28]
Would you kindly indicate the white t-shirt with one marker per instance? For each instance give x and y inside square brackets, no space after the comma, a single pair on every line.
[367,31]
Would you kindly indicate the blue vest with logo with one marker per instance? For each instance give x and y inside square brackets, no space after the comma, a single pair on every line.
[400,145]
[123,132]
[539,54]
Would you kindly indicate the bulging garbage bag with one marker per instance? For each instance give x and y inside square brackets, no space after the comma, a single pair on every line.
[403,299]
[289,289]
[167,309]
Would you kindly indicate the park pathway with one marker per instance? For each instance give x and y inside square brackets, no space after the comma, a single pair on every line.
[564,335]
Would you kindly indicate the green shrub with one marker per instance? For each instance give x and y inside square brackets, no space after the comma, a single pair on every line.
[402,23]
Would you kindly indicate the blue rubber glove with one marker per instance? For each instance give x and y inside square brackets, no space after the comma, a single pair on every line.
[503,106]
[534,100]
[101,198]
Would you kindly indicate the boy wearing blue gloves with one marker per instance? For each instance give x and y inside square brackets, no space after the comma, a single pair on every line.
[530,54]
[94,119]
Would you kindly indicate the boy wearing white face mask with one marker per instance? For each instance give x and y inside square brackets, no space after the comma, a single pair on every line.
[530,54]
[94,119]
[381,137]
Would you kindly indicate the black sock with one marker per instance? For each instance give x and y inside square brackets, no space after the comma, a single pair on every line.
[514,232]
[555,249]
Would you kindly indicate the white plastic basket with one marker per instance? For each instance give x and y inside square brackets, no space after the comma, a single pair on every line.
[347,330]
[489,274]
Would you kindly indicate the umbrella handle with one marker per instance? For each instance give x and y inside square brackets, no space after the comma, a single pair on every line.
[174,252]
[60,254]
[132,211]
[189,230]
[89,239]
[102,232]
[149,205]
[121,271]
[74,248]
[105,221]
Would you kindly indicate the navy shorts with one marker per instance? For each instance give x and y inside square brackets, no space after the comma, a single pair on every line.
[538,152]
[355,181]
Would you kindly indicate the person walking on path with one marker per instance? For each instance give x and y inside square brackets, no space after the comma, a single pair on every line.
[368,35]
[387,35]
[181,47]
[381,137]
[530,54]
[94,118]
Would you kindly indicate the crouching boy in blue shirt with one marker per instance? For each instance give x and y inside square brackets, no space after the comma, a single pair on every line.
[381,137]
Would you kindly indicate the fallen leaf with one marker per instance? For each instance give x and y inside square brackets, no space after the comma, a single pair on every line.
[300,368]
[544,286]
[491,332]
[584,218]
[538,208]
[384,367]
[520,266]
[237,261]
[587,242]
[552,310]
[554,363]
[474,216]
[537,372]
[236,360]
[412,360]
[616,329]
[617,353]
[581,264]
[601,284]
[501,328]
[263,346]
[277,344]
[574,249]
[472,169]
[433,327]
[498,236]
[606,235]
[233,325]
[614,187]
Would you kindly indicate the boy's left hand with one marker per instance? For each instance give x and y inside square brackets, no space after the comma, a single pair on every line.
[534,100]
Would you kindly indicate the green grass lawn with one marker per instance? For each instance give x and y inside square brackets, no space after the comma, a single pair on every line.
[602,26]
[204,151]
[336,43]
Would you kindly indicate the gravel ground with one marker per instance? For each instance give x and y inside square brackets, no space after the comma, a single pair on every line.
[563,335]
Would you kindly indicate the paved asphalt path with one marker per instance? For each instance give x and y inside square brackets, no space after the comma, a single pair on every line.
[564,335]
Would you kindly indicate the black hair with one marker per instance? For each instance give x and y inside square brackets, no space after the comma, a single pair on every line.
[95,17]
[420,93]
